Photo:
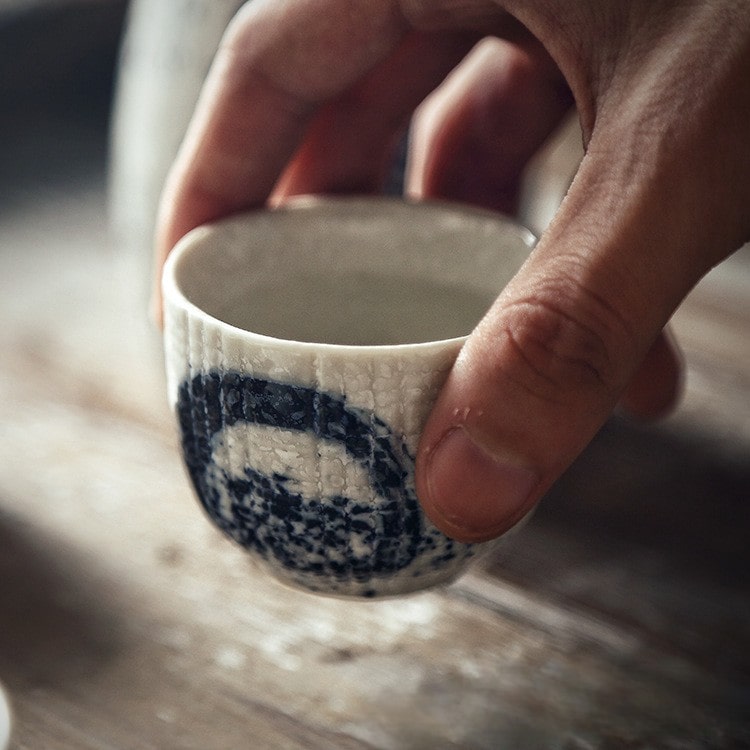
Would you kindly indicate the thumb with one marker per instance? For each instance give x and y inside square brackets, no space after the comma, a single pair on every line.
[560,346]
[659,198]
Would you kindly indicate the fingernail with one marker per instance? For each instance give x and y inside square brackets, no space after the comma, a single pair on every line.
[471,495]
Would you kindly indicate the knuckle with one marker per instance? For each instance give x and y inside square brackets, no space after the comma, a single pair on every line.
[567,341]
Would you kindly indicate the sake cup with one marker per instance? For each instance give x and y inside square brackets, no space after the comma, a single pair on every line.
[304,347]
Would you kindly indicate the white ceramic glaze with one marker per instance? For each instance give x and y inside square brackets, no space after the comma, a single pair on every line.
[4,720]
[305,347]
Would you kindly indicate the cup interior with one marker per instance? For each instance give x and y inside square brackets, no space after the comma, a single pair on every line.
[362,272]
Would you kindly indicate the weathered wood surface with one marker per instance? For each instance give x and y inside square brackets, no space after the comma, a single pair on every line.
[618,618]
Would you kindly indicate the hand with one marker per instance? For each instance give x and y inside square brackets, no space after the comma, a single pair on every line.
[310,96]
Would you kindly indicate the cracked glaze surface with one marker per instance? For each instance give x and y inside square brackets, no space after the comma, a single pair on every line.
[302,377]
[322,491]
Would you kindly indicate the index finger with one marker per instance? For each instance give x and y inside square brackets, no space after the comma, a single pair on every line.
[277,62]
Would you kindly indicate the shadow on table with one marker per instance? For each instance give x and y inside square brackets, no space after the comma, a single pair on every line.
[646,532]
[56,619]
[648,529]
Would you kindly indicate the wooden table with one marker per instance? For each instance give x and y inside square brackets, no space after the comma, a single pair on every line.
[618,618]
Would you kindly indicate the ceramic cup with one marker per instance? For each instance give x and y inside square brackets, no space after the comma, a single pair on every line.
[304,348]
[4,720]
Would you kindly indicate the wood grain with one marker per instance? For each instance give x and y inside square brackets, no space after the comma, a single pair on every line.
[617,618]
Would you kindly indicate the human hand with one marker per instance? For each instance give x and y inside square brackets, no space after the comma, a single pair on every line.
[310,96]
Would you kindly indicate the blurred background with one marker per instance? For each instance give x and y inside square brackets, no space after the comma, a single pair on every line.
[619,617]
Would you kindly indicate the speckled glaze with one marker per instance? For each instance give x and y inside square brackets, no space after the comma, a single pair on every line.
[302,451]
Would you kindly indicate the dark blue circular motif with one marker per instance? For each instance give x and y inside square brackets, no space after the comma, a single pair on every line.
[308,536]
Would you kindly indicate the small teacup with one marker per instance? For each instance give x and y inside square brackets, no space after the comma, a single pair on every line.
[305,347]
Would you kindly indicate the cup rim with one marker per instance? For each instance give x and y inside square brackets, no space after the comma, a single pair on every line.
[191,242]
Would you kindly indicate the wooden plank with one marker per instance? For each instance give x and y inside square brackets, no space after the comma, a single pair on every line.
[142,629]
[617,618]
